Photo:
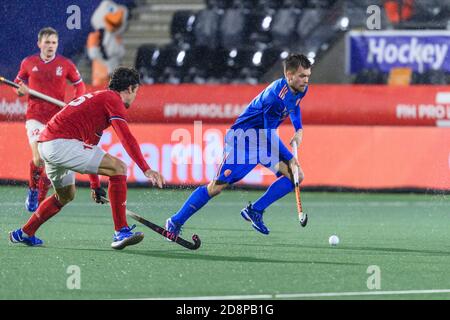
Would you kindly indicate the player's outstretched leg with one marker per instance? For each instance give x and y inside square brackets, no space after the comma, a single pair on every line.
[48,208]
[195,202]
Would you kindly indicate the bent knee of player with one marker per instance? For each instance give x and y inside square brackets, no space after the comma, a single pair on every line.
[120,168]
[214,189]
[112,166]
[66,195]
[69,197]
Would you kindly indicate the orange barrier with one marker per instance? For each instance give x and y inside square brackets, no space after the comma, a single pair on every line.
[323,105]
[346,156]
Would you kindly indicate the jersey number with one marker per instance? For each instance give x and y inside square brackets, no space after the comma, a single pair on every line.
[80,100]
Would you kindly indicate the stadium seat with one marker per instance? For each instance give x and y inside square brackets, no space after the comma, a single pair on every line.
[208,65]
[309,19]
[144,56]
[370,76]
[365,3]
[233,28]
[145,60]
[247,65]
[181,64]
[235,60]
[320,3]
[182,27]
[357,18]
[206,28]
[284,27]
[261,62]
[219,4]
[436,77]
[161,59]
[299,4]
[246,4]
[271,4]
[260,26]
[319,40]
[426,9]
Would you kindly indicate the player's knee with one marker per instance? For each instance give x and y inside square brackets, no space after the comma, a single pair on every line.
[66,197]
[214,189]
[70,197]
[120,168]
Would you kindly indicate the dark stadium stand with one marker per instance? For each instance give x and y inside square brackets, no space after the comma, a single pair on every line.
[430,77]
[427,14]
[370,76]
[229,41]
[234,28]
[182,27]
[233,41]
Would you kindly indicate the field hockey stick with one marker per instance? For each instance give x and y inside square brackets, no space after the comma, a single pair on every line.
[35,93]
[166,234]
[302,216]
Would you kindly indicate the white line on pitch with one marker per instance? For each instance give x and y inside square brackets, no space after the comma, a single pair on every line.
[305,295]
[362,293]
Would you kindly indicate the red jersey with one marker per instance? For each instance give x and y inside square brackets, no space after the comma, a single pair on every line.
[47,77]
[86,117]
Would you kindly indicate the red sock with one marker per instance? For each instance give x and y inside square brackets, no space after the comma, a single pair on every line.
[35,174]
[43,186]
[117,192]
[47,209]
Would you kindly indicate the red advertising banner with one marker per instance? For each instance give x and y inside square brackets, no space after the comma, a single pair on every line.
[346,156]
[323,105]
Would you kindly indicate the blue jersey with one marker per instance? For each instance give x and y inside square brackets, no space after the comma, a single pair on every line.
[270,108]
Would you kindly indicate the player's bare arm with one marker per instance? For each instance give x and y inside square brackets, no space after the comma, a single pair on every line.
[297,138]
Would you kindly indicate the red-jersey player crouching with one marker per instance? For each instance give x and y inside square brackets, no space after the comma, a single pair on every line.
[69,144]
[47,73]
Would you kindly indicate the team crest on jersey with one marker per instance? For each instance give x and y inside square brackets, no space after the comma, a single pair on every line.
[35,69]
[59,71]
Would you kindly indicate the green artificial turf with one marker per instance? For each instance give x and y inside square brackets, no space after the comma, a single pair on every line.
[406,235]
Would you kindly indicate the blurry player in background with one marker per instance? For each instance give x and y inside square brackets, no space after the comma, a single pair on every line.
[264,114]
[48,73]
[69,143]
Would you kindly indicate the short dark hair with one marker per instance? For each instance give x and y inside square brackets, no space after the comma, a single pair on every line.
[47,31]
[294,61]
[122,78]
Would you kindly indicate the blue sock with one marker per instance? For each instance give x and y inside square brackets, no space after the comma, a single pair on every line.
[195,202]
[277,190]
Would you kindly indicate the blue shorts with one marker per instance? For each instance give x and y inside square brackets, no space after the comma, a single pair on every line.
[241,155]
